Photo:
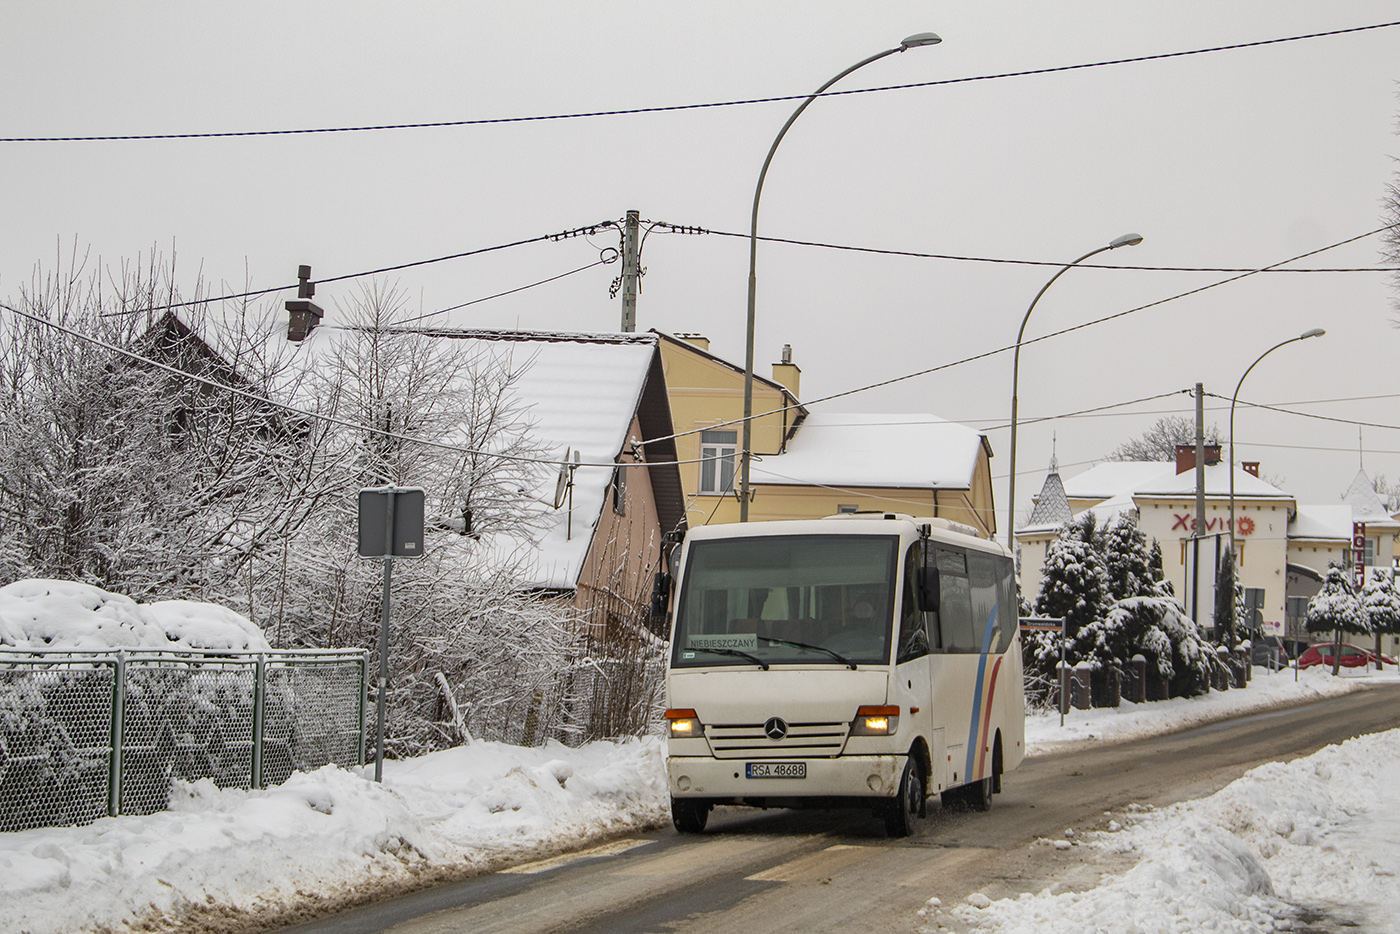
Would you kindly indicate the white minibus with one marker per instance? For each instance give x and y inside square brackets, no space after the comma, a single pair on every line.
[867,660]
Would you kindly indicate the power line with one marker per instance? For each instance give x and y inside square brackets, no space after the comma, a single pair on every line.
[357,275]
[1321,418]
[1095,410]
[228,134]
[1034,262]
[1044,337]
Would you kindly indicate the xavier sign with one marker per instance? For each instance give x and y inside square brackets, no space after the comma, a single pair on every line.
[1244,525]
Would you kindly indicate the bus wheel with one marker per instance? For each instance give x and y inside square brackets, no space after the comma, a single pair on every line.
[690,814]
[978,795]
[903,811]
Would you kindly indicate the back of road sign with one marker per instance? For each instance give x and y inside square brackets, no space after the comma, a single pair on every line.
[407,536]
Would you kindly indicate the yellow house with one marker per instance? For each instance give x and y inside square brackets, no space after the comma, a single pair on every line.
[809,465]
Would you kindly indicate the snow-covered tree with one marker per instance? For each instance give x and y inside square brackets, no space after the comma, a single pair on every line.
[1381,600]
[1336,609]
[116,471]
[1127,559]
[469,648]
[1074,584]
[1231,620]
[1163,587]
[1157,628]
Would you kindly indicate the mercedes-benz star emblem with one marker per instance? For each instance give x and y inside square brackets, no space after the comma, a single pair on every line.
[774,728]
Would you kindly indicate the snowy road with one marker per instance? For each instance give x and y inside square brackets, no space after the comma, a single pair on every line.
[788,871]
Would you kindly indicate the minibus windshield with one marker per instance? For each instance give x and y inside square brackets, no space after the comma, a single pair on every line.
[790,599]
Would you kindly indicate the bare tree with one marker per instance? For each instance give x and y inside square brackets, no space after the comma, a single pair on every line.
[114,469]
[471,651]
[1159,442]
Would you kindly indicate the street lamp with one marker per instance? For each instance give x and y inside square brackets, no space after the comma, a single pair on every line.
[1130,239]
[1315,332]
[918,40]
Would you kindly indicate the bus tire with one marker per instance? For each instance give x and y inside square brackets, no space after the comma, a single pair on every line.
[690,814]
[902,815]
[978,795]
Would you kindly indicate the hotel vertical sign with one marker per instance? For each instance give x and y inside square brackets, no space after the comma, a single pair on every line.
[1358,554]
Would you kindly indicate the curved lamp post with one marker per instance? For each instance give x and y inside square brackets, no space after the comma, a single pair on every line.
[915,41]
[1130,239]
[1315,332]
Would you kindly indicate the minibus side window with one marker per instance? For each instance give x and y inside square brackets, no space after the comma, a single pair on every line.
[986,587]
[955,601]
[913,639]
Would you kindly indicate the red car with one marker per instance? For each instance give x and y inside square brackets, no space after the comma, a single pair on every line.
[1352,656]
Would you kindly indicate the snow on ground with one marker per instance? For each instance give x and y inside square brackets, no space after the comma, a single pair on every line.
[1316,839]
[327,836]
[332,836]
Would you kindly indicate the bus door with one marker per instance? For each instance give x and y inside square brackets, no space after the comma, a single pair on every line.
[913,679]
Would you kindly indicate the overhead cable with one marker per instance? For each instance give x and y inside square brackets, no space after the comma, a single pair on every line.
[227,134]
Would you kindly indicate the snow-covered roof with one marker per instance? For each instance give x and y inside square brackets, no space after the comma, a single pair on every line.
[884,450]
[1106,480]
[580,392]
[1052,508]
[1169,483]
[64,616]
[1321,522]
[1366,505]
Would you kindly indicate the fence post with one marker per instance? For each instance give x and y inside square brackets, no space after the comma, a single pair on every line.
[117,734]
[259,692]
[364,699]
[1081,691]
[1139,663]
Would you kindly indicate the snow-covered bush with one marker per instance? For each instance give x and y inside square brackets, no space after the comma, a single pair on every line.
[1106,583]
[1159,630]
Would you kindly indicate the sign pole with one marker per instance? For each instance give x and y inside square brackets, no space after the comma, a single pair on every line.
[384,638]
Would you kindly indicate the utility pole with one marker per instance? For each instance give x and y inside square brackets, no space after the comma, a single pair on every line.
[1200,459]
[1195,582]
[630,264]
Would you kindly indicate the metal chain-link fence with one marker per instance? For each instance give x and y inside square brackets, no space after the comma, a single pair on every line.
[87,735]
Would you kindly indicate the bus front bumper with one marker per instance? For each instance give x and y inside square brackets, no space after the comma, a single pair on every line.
[841,777]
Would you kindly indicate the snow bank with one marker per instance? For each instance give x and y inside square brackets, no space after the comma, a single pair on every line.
[328,836]
[46,615]
[1267,690]
[1315,834]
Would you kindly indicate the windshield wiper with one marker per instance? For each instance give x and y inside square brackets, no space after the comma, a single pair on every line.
[815,648]
[737,654]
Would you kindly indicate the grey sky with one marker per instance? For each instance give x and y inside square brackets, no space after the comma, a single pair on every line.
[1232,159]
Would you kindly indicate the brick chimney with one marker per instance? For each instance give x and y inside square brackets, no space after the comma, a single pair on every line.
[1250,467]
[787,372]
[1186,456]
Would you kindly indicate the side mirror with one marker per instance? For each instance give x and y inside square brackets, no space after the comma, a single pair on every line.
[928,588]
[660,595]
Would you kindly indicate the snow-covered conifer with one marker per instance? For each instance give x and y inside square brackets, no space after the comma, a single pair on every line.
[1337,609]
[1073,585]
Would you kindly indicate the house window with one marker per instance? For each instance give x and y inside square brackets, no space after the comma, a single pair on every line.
[1372,546]
[718,450]
[844,509]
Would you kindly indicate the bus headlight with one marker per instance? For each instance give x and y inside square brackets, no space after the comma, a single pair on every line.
[875,721]
[684,723]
